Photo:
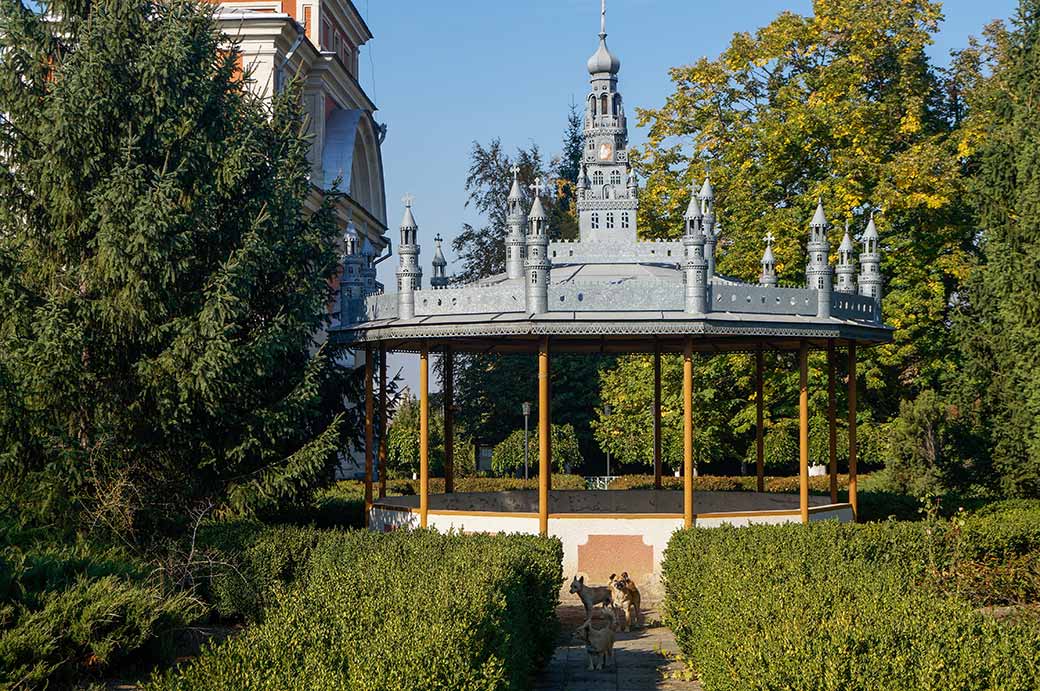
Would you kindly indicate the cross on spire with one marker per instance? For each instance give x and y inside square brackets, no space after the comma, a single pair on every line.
[516,172]
[768,239]
[538,188]
[603,18]
[407,200]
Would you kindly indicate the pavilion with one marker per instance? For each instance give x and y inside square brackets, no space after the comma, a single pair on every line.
[610,292]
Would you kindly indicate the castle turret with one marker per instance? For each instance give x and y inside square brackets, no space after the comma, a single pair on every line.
[608,198]
[767,279]
[440,264]
[633,184]
[537,263]
[870,264]
[695,269]
[818,273]
[409,275]
[515,221]
[351,282]
[711,232]
[846,270]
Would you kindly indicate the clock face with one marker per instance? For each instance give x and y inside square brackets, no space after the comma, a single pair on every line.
[605,151]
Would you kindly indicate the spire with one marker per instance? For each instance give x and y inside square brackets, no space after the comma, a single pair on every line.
[707,192]
[768,279]
[514,191]
[537,210]
[439,279]
[408,221]
[819,219]
[846,264]
[693,209]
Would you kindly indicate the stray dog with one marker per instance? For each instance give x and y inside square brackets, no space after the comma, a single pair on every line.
[599,643]
[626,596]
[591,595]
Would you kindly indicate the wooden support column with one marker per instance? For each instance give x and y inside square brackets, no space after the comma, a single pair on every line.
[832,422]
[760,466]
[803,430]
[852,432]
[369,430]
[688,433]
[657,414]
[382,420]
[424,434]
[449,421]
[544,436]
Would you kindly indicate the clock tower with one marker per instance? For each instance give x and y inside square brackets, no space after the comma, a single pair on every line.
[607,190]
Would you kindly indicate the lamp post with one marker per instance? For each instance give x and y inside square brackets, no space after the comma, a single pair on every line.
[607,410]
[527,414]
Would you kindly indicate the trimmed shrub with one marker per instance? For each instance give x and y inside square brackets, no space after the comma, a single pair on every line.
[838,607]
[485,484]
[727,483]
[80,609]
[403,610]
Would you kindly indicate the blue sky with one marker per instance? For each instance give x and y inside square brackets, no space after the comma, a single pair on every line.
[447,73]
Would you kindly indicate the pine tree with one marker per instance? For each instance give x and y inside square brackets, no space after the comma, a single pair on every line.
[1000,327]
[162,280]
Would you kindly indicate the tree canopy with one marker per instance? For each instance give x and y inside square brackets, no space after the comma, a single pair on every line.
[162,279]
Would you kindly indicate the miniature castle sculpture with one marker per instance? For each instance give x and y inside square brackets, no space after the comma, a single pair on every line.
[611,276]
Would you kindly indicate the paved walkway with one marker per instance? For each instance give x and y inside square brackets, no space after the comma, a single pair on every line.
[642,660]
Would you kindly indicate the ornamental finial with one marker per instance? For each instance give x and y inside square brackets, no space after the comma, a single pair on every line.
[407,200]
[603,18]
[538,187]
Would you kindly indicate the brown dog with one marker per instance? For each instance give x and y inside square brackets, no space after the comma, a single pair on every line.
[626,596]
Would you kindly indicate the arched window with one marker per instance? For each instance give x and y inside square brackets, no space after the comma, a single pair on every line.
[615,177]
[610,220]
[624,219]
[603,104]
[597,177]
[617,104]
[595,221]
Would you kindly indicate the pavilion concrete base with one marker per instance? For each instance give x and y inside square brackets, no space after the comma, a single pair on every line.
[602,532]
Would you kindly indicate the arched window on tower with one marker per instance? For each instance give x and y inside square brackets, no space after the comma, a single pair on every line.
[595,221]
[603,107]
[615,177]
[597,177]
[610,220]
[624,220]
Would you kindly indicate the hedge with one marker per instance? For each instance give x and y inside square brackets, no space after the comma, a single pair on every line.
[402,610]
[486,484]
[730,483]
[74,609]
[839,607]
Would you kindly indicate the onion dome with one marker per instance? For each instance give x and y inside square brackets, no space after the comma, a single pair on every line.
[603,60]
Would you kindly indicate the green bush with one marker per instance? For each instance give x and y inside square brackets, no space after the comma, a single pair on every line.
[70,610]
[726,483]
[402,610]
[508,455]
[830,606]
[485,484]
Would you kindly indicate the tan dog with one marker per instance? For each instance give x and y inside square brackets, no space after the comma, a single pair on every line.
[626,596]
[591,595]
[599,643]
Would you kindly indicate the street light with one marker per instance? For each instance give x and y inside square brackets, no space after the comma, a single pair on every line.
[527,414]
[607,410]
